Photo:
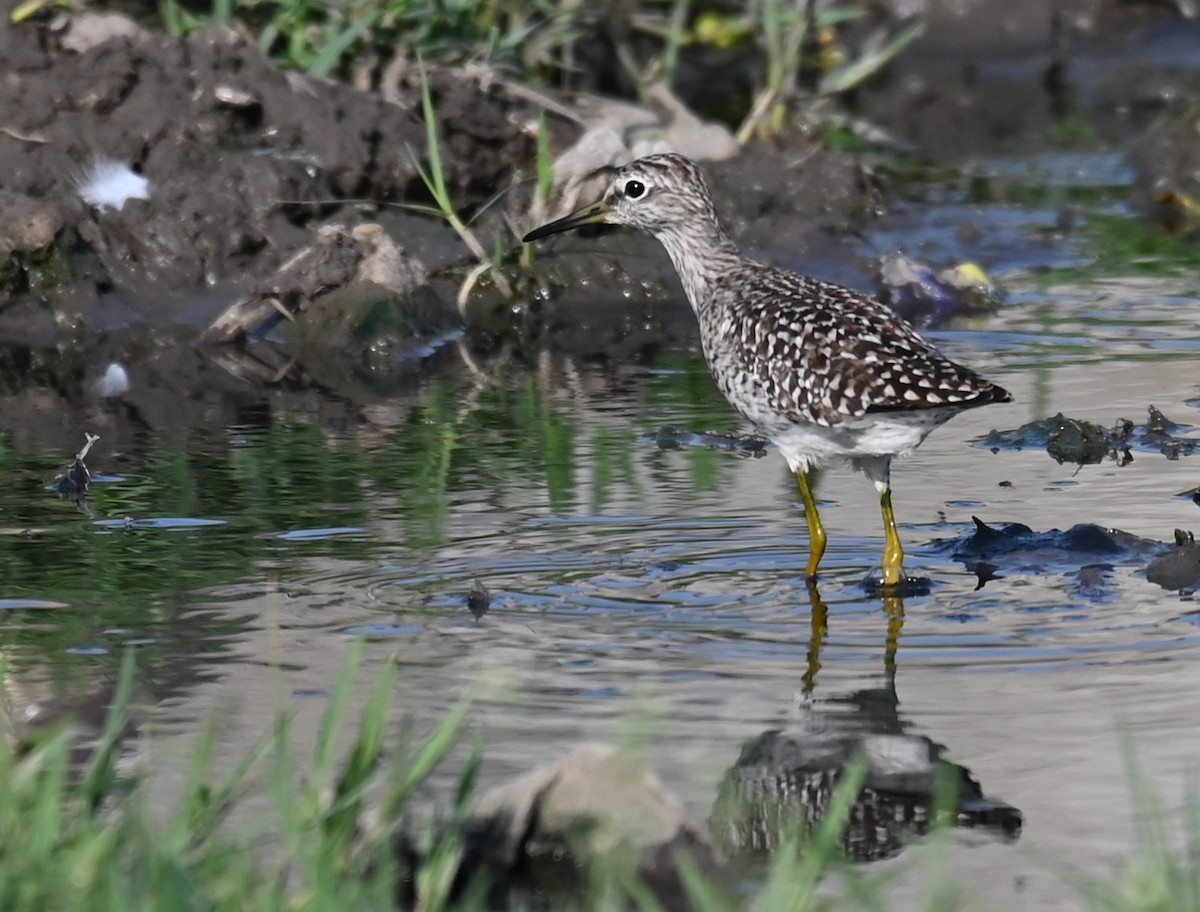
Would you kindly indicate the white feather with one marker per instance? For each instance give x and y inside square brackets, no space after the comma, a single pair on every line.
[110,184]
[114,382]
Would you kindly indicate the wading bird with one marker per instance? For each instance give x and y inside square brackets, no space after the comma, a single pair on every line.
[825,372]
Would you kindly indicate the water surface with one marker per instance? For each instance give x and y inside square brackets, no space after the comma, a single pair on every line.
[648,596]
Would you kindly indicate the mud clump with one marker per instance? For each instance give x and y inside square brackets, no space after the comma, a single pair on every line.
[1179,568]
[1085,551]
[1080,442]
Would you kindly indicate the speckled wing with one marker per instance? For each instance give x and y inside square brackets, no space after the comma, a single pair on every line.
[823,354]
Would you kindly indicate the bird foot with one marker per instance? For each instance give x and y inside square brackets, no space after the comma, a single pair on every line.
[904,587]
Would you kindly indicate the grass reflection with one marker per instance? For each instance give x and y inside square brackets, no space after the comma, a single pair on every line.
[561,440]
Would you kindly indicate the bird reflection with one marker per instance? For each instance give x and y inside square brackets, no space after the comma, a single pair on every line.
[784,779]
[893,608]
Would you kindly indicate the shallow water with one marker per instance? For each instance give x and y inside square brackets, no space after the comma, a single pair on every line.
[648,596]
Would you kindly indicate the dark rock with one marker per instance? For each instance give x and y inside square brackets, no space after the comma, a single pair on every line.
[72,485]
[478,599]
[1159,433]
[545,837]
[1192,493]
[1179,568]
[926,298]
[1065,439]
[1082,538]
[1077,442]
[1014,547]
[1092,581]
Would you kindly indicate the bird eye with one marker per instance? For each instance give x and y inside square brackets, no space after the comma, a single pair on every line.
[634,189]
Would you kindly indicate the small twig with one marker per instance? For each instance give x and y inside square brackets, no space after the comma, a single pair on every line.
[72,485]
[91,438]
[281,307]
[25,137]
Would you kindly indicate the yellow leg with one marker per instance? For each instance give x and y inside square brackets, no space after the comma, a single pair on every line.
[820,626]
[893,551]
[816,531]
[894,608]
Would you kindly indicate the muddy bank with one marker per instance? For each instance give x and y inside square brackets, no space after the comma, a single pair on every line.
[246,164]
[242,158]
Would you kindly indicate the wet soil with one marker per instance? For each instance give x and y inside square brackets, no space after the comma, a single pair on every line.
[246,159]
[247,166]
[246,162]
[243,157]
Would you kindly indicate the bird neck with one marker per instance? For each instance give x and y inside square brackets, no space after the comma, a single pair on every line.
[702,252]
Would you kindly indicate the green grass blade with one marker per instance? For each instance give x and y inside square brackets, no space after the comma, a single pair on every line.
[204,806]
[222,12]
[436,179]
[343,816]
[283,786]
[836,15]
[324,752]
[702,893]
[268,37]
[330,55]
[410,776]
[676,28]
[852,74]
[466,781]
[26,10]
[419,208]
[101,774]
[794,876]
[826,843]
[175,20]
[39,785]
[544,160]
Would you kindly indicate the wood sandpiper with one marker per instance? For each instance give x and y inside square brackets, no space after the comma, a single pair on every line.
[825,372]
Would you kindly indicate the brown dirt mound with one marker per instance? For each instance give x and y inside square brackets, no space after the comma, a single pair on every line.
[241,155]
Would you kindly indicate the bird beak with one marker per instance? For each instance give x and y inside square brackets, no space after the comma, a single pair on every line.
[588,215]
